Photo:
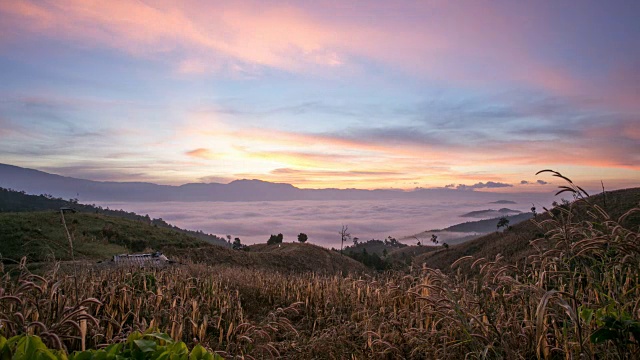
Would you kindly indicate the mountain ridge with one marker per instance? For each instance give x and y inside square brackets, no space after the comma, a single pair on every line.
[38,182]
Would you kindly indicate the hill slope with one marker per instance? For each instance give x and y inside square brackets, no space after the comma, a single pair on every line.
[401,257]
[16,201]
[467,231]
[378,247]
[289,257]
[485,226]
[40,236]
[307,256]
[514,244]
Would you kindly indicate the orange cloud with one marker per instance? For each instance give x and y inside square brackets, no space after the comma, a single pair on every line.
[336,178]
[306,159]
[201,153]
[331,156]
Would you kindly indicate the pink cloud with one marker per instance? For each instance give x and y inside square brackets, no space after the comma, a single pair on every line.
[470,43]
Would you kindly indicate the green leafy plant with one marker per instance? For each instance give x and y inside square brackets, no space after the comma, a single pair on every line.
[139,346]
[27,347]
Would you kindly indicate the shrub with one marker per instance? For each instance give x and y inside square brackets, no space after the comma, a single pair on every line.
[275,239]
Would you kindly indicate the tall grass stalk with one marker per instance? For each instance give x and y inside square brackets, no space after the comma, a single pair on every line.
[72,253]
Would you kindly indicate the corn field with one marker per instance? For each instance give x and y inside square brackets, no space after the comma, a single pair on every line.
[578,297]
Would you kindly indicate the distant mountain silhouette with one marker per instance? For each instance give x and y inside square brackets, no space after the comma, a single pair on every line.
[38,182]
[490,213]
[482,226]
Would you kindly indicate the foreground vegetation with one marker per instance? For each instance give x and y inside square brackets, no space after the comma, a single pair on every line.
[577,295]
[147,346]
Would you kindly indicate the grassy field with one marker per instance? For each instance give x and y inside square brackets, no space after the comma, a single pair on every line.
[287,258]
[12,201]
[40,236]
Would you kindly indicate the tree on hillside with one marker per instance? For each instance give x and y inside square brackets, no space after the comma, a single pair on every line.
[344,236]
[372,260]
[237,245]
[533,210]
[302,237]
[275,239]
[502,222]
[391,241]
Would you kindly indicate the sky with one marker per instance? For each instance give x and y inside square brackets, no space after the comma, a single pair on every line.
[344,94]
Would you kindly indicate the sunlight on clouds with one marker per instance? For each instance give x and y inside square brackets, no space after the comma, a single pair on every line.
[335,160]
[202,153]
[213,37]
[583,116]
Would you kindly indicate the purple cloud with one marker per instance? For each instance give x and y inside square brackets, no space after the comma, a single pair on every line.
[481,185]
[537,182]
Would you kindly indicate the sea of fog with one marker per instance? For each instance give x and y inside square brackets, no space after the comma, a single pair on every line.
[253,222]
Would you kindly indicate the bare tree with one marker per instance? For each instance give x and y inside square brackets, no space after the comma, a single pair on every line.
[344,236]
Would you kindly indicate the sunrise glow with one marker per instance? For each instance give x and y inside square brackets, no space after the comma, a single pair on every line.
[323,94]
